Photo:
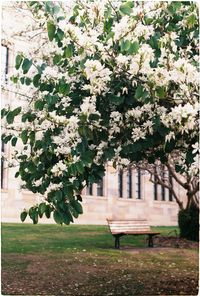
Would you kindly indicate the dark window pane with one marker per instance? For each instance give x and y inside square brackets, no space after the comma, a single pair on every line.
[129,183]
[100,188]
[120,183]
[155,187]
[162,187]
[89,189]
[138,184]
[170,192]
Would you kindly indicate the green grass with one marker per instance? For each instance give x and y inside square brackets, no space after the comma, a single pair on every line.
[28,238]
[80,260]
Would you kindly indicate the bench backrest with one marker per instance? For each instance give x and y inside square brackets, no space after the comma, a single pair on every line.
[128,226]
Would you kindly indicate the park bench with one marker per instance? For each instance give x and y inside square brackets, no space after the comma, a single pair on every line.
[119,228]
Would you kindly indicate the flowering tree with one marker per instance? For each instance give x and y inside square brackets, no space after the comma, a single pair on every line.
[118,83]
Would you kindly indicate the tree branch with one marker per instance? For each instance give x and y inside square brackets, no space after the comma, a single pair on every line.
[174,175]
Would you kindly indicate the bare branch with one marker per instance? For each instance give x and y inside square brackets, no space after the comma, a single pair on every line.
[175,176]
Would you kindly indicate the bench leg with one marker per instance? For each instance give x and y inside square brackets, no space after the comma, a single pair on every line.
[117,241]
[150,244]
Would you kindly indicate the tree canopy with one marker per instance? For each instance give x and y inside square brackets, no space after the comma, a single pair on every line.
[119,83]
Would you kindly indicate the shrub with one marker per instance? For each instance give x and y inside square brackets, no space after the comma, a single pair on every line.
[188,220]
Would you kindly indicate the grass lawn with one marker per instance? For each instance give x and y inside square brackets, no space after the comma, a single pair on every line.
[81,260]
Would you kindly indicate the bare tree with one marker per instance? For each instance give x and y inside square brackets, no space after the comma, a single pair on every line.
[165,175]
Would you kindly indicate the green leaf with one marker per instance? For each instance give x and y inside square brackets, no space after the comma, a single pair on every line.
[108,25]
[175,5]
[125,45]
[68,191]
[66,218]
[18,61]
[156,123]
[58,195]
[79,167]
[48,211]
[189,157]
[68,53]
[72,169]
[41,208]
[24,136]
[163,130]
[178,168]
[56,59]
[6,139]
[94,117]
[22,80]
[17,111]
[28,116]
[36,79]
[64,88]
[35,217]
[10,117]
[160,92]
[116,100]
[170,145]
[14,79]
[60,34]
[58,217]
[51,100]
[78,207]
[192,20]
[32,137]
[39,105]
[14,141]
[133,48]
[68,213]
[26,65]
[17,175]
[74,212]
[55,9]
[87,157]
[141,94]
[4,112]
[28,81]
[51,29]
[126,8]
[48,6]
[23,216]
